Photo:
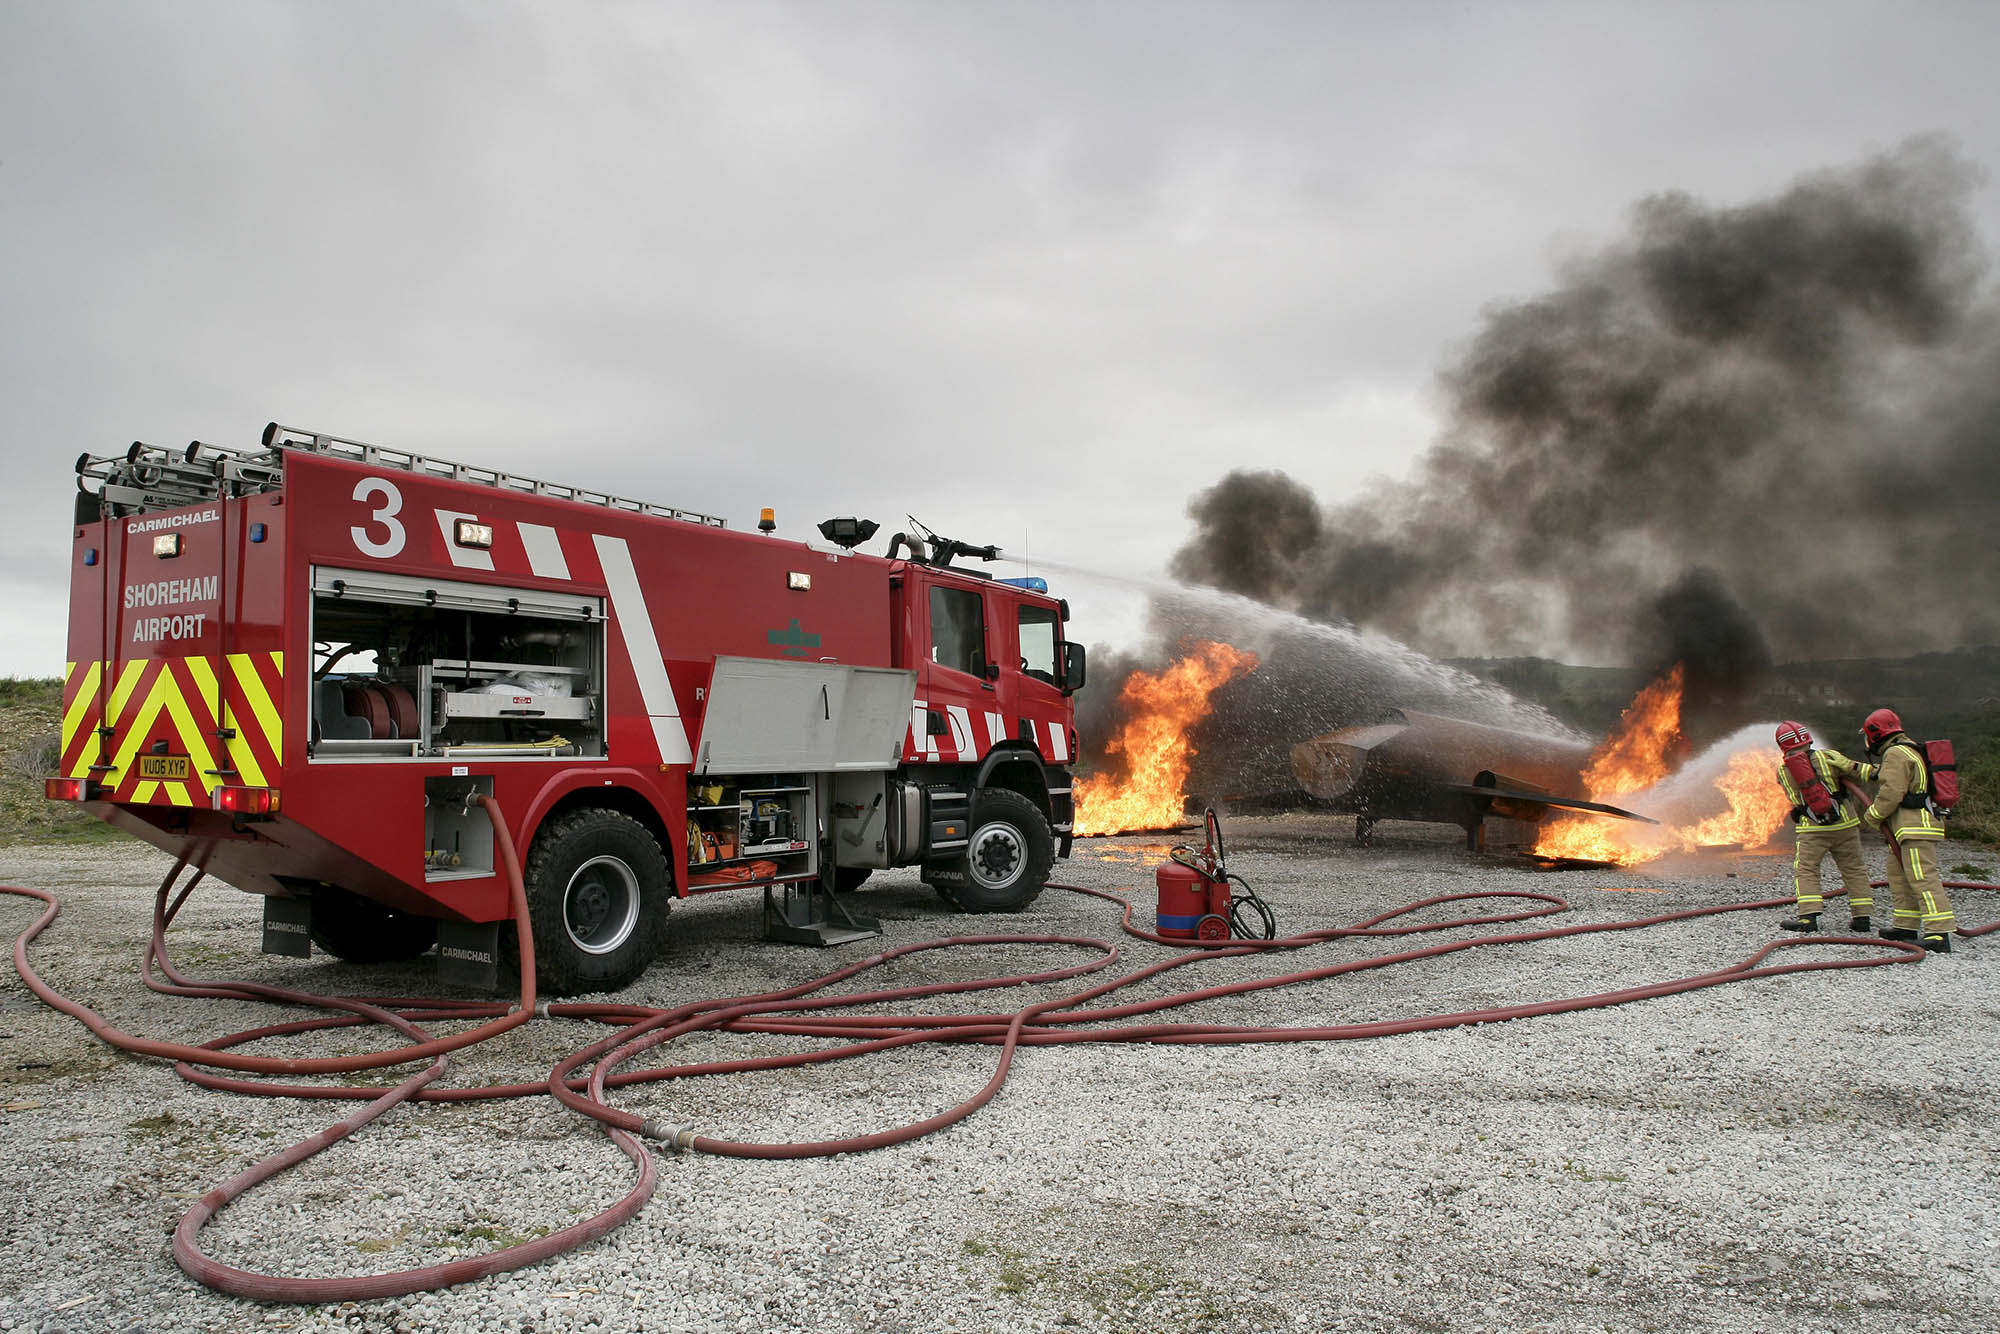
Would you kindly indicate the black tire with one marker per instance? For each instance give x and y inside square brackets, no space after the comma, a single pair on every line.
[1007,861]
[847,879]
[599,891]
[360,930]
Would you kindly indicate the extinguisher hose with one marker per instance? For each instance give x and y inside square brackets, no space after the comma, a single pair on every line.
[1250,918]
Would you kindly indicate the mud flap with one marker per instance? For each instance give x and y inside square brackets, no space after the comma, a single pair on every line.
[288,927]
[469,955]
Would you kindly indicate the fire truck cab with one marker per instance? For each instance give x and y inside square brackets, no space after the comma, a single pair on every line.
[301,665]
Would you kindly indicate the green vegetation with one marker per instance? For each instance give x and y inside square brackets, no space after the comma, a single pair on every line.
[30,745]
[377,1245]
[1978,814]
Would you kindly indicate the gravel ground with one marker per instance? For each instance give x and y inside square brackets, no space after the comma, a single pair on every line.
[1808,1152]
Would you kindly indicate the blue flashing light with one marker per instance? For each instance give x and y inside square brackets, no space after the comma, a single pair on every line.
[90,555]
[256,532]
[1034,583]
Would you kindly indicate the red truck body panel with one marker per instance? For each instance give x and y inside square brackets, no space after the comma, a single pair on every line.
[192,667]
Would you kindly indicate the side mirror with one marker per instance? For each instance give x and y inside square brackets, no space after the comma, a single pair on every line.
[1072,668]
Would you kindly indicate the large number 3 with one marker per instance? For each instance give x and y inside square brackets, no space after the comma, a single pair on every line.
[392,505]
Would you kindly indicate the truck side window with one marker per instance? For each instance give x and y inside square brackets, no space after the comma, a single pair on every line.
[1038,643]
[958,630]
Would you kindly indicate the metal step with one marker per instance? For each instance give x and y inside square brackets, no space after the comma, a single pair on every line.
[804,914]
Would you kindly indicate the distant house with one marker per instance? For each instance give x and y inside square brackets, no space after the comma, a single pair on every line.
[1816,694]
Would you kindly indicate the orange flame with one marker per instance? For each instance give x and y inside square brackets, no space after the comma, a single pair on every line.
[1161,708]
[1639,753]
[1635,755]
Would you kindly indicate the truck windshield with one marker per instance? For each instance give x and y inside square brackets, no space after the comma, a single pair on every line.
[1038,643]
[958,630]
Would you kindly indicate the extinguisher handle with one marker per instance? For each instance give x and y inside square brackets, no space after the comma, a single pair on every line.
[1212,831]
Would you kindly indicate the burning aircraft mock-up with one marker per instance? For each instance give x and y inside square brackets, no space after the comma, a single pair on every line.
[1419,766]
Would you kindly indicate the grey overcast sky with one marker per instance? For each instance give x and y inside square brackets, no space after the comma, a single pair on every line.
[1032,272]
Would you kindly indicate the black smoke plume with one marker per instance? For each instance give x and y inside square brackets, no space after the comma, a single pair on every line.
[1768,428]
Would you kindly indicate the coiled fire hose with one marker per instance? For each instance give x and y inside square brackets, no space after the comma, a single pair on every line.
[802,1011]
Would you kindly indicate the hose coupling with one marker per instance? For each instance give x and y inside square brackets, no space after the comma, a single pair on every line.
[541,1009]
[677,1138]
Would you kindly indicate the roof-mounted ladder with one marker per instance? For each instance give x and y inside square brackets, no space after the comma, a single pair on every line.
[152,477]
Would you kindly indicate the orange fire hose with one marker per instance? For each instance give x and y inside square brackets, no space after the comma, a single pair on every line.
[641,1028]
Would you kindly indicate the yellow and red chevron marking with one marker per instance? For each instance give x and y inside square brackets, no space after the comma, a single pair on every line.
[175,699]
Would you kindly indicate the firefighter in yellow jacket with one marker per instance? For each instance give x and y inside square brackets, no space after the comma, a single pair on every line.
[1902,805]
[1827,823]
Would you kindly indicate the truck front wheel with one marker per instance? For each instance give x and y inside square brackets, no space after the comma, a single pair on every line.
[1007,860]
[598,895]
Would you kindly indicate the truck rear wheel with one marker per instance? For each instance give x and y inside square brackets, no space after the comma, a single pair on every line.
[1006,861]
[598,896]
[360,930]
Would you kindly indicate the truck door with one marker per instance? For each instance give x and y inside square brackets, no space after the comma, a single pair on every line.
[1039,702]
[956,682]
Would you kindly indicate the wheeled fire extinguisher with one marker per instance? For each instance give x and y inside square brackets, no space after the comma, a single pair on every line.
[1197,901]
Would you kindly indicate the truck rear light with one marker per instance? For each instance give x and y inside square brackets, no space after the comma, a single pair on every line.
[66,789]
[798,581]
[471,533]
[246,800]
[167,545]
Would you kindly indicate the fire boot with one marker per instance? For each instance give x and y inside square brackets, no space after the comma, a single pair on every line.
[1897,933]
[1803,922]
[1859,926]
[1938,944]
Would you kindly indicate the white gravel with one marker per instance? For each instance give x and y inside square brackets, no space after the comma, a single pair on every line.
[1812,1152]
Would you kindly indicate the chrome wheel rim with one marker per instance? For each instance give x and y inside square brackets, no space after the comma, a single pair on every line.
[996,855]
[601,905]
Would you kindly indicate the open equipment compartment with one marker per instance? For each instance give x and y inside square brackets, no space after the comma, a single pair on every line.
[738,821]
[431,668]
[458,834]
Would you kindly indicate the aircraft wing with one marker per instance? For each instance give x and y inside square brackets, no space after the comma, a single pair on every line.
[1545,799]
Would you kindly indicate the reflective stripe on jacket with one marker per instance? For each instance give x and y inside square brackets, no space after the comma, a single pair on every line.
[1903,772]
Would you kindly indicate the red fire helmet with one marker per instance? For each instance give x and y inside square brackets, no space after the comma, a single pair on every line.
[1793,736]
[1879,726]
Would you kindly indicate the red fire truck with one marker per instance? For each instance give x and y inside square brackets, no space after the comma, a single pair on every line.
[301,664]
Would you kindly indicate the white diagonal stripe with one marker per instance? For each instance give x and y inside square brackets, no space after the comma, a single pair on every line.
[961,730]
[635,627]
[545,556]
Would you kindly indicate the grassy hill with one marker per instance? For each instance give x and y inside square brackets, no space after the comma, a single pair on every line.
[30,733]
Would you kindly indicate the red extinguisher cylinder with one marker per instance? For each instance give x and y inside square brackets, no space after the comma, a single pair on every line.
[1184,900]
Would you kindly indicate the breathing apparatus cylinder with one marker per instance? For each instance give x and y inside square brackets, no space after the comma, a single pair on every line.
[1821,806]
